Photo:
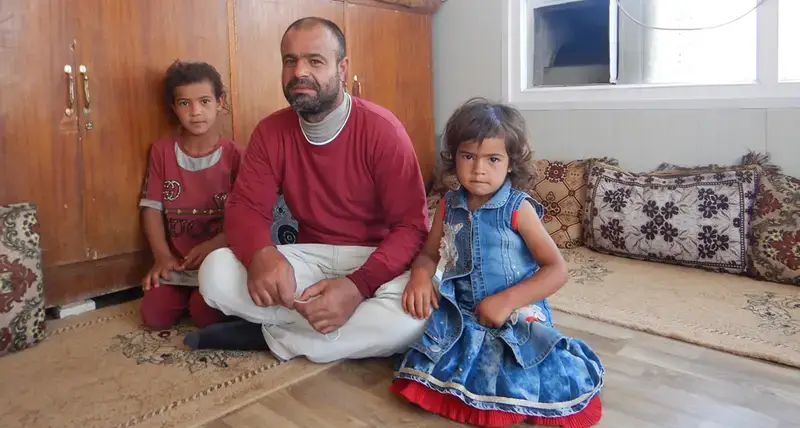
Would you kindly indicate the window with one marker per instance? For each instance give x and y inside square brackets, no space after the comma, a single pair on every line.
[726,54]
[651,53]
[789,33]
[571,43]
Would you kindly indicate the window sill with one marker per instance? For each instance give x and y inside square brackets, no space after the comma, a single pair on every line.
[655,97]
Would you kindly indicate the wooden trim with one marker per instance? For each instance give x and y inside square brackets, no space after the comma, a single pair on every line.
[231,6]
[382,5]
[348,80]
[78,281]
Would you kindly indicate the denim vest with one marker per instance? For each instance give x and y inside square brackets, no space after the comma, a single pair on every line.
[483,250]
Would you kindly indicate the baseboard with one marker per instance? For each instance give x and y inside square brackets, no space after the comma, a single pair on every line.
[72,309]
[94,303]
[85,280]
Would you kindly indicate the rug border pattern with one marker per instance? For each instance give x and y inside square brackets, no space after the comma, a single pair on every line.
[176,403]
[185,400]
[98,320]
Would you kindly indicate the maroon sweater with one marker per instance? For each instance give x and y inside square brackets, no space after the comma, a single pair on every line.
[363,188]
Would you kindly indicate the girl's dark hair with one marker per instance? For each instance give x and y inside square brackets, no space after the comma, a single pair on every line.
[478,119]
[182,73]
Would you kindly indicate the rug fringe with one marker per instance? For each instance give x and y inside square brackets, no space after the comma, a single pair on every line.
[761,159]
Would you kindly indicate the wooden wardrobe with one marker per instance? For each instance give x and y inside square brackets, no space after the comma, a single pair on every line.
[80,104]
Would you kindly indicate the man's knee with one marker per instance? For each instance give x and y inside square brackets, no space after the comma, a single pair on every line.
[395,336]
[394,288]
[407,329]
[219,272]
[398,330]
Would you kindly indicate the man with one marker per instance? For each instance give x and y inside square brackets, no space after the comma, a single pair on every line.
[350,176]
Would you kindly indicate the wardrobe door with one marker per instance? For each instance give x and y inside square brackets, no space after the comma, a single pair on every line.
[39,144]
[124,48]
[390,65]
[257,64]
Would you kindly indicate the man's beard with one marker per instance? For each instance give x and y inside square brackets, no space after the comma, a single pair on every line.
[307,104]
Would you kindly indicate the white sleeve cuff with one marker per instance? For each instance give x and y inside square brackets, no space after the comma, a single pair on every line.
[149,203]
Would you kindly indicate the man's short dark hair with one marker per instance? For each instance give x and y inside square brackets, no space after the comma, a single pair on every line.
[308,22]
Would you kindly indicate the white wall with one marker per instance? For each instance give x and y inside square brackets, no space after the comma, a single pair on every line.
[466,54]
[467,62]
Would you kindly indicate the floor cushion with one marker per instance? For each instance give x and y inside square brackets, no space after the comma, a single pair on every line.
[561,188]
[775,230]
[697,218]
[21,288]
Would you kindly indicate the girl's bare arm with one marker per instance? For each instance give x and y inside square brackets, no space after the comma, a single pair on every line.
[552,273]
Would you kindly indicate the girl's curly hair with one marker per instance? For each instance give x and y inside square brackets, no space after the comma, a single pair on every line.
[478,119]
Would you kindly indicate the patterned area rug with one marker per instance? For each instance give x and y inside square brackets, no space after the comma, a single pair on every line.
[721,311]
[102,370]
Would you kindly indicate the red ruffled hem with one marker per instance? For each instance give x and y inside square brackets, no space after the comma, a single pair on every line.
[453,408]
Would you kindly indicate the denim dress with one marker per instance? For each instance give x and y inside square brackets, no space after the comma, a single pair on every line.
[526,367]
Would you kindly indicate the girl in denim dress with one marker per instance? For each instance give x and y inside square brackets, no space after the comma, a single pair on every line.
[490,355]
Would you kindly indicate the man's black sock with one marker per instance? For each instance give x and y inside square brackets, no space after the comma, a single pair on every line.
[237,335]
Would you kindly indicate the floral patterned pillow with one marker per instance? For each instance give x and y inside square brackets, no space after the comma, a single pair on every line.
[694,218]
[775,230]
[21,289]
[561,188]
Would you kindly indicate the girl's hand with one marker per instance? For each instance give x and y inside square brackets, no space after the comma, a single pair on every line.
[196,255]
[160,270]
[494,311]
[419,296]
[200,251]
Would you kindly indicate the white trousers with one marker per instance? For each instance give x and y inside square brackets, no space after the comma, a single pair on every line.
[378,328]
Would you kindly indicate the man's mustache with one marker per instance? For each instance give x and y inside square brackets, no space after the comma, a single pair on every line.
[306,83]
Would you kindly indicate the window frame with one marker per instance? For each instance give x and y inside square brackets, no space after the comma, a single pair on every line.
[517,60]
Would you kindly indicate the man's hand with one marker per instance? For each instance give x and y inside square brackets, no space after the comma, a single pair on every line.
[160,270]
[270,279]
[329,304]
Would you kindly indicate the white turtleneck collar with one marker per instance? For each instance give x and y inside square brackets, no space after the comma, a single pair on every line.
[324,131]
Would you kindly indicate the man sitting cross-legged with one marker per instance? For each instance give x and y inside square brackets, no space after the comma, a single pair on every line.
[350,176]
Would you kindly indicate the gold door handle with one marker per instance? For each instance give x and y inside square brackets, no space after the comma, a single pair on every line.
[357,87]
[71,90]
[87,99]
